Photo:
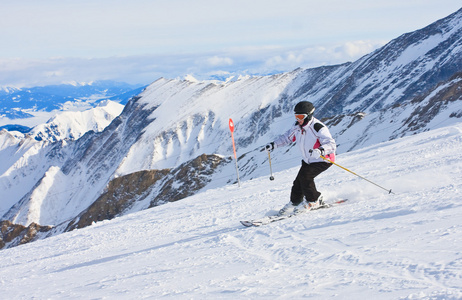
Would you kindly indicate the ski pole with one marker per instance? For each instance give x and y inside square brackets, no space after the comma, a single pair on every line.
[326,159]
[271,169]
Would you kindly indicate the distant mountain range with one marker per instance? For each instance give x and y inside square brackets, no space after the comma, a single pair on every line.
[172,139]
[20,103]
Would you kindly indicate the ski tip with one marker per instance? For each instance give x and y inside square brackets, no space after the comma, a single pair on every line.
[252,223]
[247,223]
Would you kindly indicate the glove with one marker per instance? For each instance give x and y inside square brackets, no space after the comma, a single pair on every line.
[269,147]
[316,153]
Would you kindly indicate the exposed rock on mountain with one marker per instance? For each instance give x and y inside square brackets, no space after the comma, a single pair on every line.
[435,101]
[149,188]
[188,178]
[121,194]
[15,234]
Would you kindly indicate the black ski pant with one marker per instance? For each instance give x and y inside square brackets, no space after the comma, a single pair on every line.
[304,182]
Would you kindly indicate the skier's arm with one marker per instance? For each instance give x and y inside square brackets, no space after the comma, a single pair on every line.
[326,140]
[285,139]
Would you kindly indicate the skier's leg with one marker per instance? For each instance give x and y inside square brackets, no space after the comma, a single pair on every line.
[296,194]
[308,172]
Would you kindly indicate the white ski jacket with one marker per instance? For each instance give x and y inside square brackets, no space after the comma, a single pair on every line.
[311,136]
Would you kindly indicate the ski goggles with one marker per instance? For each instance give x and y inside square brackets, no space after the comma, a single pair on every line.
[300,117]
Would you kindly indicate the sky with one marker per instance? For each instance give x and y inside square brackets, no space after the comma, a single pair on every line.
[138,41]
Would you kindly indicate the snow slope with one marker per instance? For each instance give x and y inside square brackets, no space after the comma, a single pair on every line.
[376,246]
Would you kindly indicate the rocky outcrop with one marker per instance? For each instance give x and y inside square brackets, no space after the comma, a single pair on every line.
[434,101]
[157,186]
[189,178]
[15,234]
[121,193]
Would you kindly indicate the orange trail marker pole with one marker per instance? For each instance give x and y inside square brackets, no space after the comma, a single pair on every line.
[231,128]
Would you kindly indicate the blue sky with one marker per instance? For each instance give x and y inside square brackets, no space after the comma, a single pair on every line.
[138,41]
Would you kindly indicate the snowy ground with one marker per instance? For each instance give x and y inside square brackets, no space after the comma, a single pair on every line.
[375,246]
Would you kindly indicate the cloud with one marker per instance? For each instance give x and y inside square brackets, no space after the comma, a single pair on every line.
[216,61]
[358,48]
[144,69]
[139,41]
[315,56]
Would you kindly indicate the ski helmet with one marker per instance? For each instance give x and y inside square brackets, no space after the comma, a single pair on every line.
[304,107]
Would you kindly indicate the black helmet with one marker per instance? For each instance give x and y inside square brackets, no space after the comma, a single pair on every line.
[304,107]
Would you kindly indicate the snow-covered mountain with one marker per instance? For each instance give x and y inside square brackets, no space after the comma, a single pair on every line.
[375,246]
[409,86]
[72,125]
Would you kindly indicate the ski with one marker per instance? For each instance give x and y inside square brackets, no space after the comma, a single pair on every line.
[270,219]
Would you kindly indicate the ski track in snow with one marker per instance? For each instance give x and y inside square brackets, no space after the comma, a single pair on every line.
[381,246]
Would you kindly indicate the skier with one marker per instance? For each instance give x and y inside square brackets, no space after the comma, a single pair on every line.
[314,140]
